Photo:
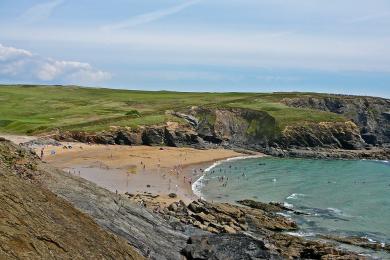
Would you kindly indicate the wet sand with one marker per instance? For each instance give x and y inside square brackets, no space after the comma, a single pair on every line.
[137,169]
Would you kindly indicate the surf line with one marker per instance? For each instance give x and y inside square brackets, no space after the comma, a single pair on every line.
[198,184]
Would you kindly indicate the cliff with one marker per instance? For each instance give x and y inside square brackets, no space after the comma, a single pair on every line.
[370,114]
[36,224]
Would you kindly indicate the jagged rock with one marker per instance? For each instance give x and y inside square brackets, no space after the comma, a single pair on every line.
[227,246]
[235,126]
[153,136]
[195,207]
[359,241]
[369,113]
[269,207]
[37,224]
[344,135]
[229,229]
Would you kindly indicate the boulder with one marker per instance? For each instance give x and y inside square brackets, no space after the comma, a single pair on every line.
[227,246]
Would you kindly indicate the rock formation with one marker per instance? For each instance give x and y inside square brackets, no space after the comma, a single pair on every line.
[36,224]
[366,125]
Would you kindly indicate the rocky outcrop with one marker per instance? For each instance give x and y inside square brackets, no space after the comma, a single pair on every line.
[236,232]
[360,242]
[227,246]
[339,135]
[375,153]
[36,224]
[227,218]
[235,126]
[369,113]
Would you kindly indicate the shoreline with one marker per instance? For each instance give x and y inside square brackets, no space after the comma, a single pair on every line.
[137,169]
[197,185]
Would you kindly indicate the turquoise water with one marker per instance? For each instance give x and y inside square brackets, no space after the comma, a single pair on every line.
[341,197]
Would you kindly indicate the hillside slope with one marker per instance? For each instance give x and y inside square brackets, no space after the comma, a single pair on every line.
[36,224]
[256,121]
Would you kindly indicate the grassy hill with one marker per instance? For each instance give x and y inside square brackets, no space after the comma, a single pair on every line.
[26,109]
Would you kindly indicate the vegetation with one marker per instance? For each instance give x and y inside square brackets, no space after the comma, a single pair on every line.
[34,109]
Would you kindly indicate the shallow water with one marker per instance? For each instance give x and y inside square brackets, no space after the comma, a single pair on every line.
[341,197]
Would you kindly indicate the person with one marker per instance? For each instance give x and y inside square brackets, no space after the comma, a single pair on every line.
[42,151]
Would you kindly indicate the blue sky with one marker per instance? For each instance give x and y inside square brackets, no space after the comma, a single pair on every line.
[338,46]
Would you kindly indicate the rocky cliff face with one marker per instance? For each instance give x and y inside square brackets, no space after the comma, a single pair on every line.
[36,224]
[367,123]
[240,127]
[344,135]
[371,115]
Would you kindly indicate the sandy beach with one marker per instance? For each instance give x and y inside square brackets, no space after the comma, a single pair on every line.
[136,169]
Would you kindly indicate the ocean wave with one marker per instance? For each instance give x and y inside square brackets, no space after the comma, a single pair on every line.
[295,196]
[288,205]
[336,211]
[197,187]
[386,162]
[339,212]
[198,184]
[283,215]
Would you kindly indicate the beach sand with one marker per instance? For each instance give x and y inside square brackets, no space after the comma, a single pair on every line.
[137,169]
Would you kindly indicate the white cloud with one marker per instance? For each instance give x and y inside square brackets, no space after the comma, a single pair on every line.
[40,11]
[150,17]
[21,65]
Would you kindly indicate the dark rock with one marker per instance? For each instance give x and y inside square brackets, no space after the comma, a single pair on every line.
[370,138]
[227,246]
[153,136]
[359,241]
[269,207]
[172,195]
[369,113]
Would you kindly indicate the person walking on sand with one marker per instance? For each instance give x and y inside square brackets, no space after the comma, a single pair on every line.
[42,151]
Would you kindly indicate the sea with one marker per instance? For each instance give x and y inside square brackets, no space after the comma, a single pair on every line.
[339,197]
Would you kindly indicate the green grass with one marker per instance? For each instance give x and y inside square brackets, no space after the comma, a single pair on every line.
[35,109]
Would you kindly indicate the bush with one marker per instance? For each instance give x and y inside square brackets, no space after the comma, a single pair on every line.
[133,113]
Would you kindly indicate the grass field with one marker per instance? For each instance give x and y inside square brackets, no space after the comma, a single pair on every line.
[36,109]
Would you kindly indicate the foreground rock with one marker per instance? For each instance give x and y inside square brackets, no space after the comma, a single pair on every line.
[238,232]
[36,224]
[361,242]
[227,246]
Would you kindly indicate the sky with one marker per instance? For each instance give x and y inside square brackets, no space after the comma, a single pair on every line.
[334,46]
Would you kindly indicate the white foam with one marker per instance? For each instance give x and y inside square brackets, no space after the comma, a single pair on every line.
[198,184]
[197,187]
[288,205]
[295,196]
[334,210]
[301,234]
[283,214]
